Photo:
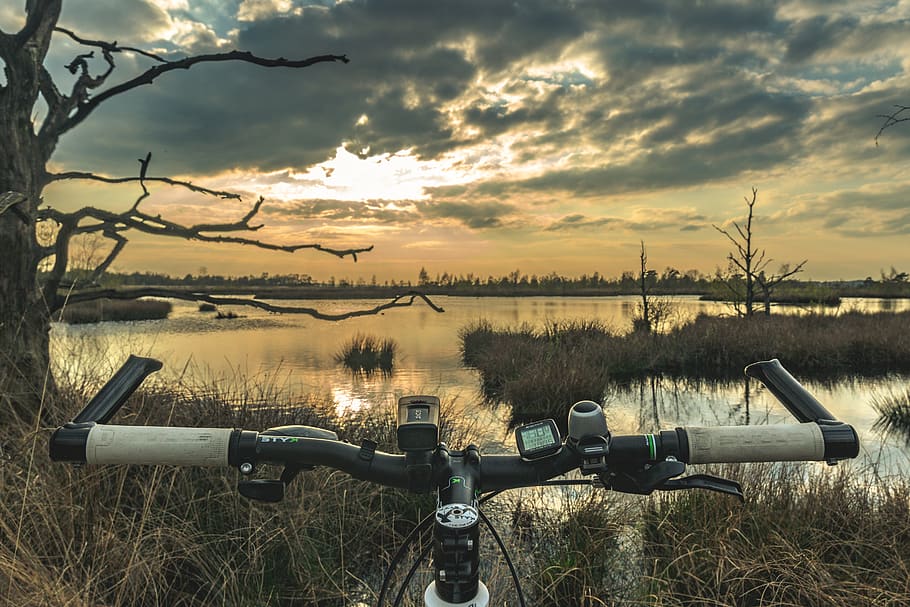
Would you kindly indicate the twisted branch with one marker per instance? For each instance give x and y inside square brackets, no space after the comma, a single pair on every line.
[134,219]
[174,182]
[87,106]
[110,47]
[400,301]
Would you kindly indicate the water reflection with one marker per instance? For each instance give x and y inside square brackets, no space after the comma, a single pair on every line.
[665,402]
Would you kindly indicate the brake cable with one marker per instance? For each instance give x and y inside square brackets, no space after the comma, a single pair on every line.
[399,555]
[506,556]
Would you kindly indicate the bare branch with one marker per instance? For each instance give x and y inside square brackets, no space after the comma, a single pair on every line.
[148,77]
[133,219]
[769,282]
[738,264]
[110,47]
[63,106]
[174,182]
[892,119]
[399,301]
[119,242]
[732,240]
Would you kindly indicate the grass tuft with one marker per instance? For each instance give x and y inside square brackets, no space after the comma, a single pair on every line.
[368,354]
[893,414]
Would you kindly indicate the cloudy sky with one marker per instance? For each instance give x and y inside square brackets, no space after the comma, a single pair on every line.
[488,135]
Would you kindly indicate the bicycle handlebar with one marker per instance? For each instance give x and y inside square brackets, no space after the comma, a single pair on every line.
[92,443]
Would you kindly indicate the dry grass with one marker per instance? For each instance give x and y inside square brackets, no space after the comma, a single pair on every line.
[894,413]
[131,535]
[830,539]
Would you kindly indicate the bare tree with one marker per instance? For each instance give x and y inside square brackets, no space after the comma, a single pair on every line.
[25,149]
[643,321]
[747,267]
[654,312]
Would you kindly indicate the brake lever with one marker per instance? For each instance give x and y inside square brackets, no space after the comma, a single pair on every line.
[705,481]
[645,480]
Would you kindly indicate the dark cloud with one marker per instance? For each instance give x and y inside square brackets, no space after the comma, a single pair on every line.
[342,210]
[577,221]
[685,221]
[872,211]
[477,216]
[480,215]
[695,92]
[817,34]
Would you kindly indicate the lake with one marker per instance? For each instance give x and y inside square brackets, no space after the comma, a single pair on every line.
[296,353]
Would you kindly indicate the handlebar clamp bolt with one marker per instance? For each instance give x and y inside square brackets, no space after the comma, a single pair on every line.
[246,468]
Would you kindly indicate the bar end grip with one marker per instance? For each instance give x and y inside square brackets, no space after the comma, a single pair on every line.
[114,393]
[789,391]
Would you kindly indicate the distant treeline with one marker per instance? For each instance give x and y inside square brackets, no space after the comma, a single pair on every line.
[668,282]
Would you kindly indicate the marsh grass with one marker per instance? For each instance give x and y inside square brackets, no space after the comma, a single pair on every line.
[893,413]
[367,354]
[114,310]
[829,538]
[544,370]
[143,535]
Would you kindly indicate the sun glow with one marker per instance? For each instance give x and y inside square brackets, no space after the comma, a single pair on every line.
[349,177]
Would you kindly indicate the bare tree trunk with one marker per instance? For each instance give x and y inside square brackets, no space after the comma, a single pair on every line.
[24,316]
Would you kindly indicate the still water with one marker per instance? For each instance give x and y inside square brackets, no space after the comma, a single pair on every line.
[297,354]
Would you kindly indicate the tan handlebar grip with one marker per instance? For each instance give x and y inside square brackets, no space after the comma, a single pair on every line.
[775,443]
[111,444]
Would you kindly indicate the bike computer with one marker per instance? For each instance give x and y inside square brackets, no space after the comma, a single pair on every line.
[537,440]
[418,423]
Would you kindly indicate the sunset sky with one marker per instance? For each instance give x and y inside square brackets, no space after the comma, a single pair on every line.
[488,135]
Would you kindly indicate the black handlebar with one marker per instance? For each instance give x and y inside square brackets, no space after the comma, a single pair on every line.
[118,388]
[790,392]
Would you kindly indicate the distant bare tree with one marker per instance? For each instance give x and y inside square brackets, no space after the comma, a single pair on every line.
[747,267]
[654,312]
[643,322]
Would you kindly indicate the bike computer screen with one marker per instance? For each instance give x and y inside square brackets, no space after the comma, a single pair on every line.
[537,440]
